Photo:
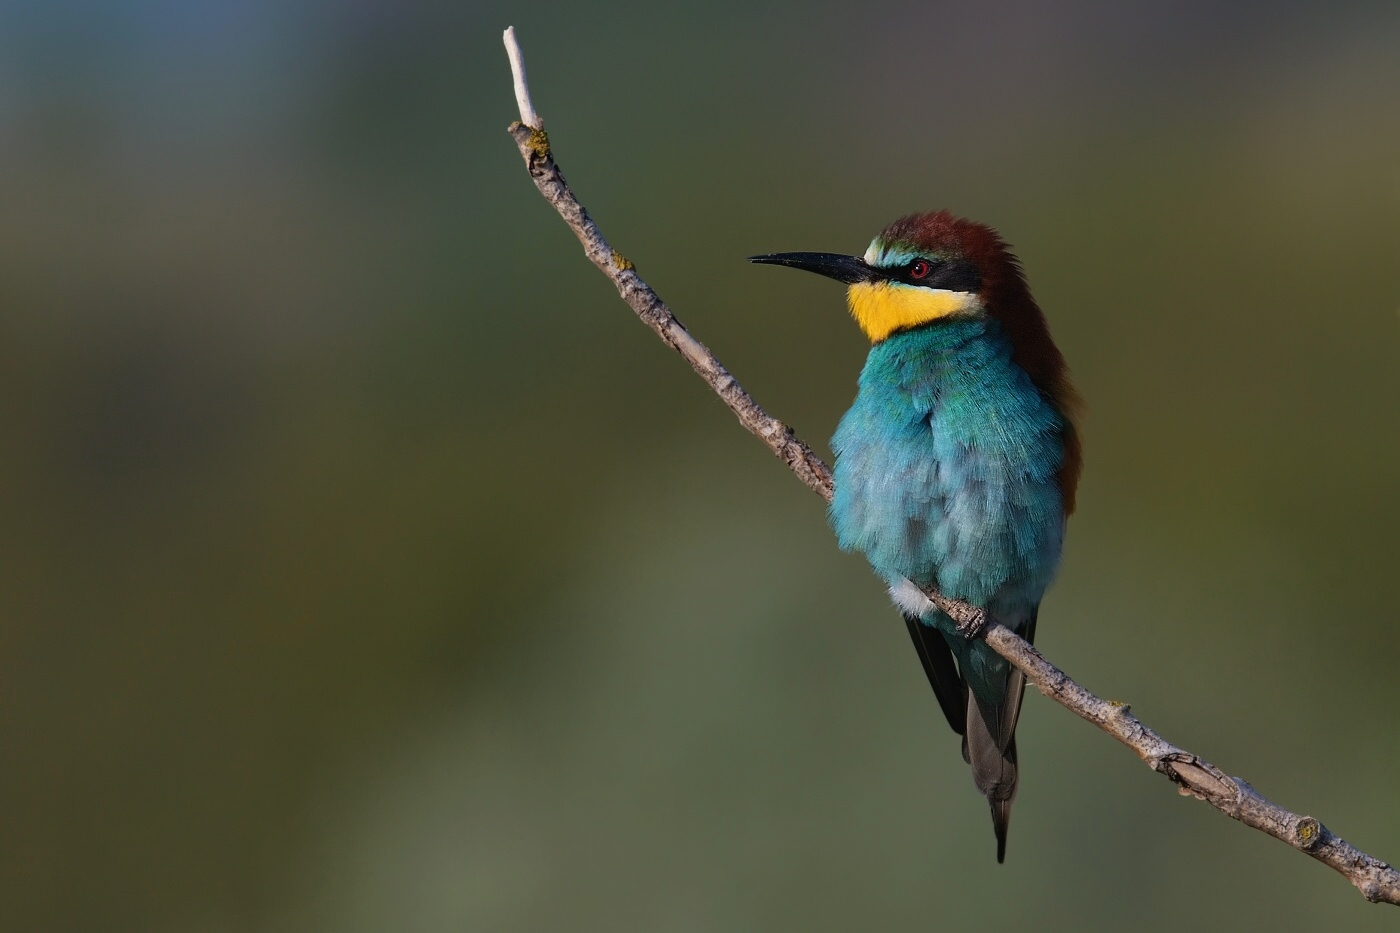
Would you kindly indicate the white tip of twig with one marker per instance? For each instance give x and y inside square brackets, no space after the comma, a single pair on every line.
[522,90]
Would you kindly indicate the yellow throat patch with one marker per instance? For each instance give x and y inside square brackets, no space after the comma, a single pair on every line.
[881,308]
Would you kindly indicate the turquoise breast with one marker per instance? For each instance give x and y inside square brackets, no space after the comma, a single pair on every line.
[946,468]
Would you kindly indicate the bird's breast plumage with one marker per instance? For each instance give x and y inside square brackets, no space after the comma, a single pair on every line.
[947,468]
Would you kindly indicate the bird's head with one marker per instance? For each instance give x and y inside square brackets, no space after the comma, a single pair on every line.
[927,267]
[920,269]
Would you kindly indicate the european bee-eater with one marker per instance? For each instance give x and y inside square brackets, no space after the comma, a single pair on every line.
[956,467]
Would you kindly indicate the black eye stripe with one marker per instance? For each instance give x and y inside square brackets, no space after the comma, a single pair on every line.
[957,275]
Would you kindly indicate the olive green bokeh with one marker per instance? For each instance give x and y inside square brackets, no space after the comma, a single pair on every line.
[366,566]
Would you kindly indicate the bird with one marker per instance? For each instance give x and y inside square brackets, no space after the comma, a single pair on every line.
[958,463]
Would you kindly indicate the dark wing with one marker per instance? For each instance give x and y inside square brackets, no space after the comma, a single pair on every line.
[942,673]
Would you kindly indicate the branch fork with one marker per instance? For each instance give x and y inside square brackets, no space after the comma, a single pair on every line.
[1194,776]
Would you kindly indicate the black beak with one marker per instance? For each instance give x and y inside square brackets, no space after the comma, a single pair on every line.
[848,269]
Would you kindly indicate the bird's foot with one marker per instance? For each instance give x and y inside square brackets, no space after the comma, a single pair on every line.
[968,620]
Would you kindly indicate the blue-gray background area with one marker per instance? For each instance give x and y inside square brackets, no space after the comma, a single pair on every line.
[365,565]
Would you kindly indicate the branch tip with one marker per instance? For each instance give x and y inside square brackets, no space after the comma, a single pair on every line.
[522,89]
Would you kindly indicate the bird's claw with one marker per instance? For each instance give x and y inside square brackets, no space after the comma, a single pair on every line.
[970,623]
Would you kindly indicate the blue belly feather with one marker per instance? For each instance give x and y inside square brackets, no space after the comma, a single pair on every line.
[946,474]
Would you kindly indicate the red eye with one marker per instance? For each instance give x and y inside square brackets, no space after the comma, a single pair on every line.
[919,269]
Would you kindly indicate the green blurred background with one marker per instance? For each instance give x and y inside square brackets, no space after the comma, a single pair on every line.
[364,564]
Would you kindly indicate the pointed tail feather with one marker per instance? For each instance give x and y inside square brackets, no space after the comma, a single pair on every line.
[1001,818]
[988,729]
[989,746]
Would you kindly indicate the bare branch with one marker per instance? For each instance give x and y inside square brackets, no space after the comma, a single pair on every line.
[522,87]
[534,146]
[1378,881]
